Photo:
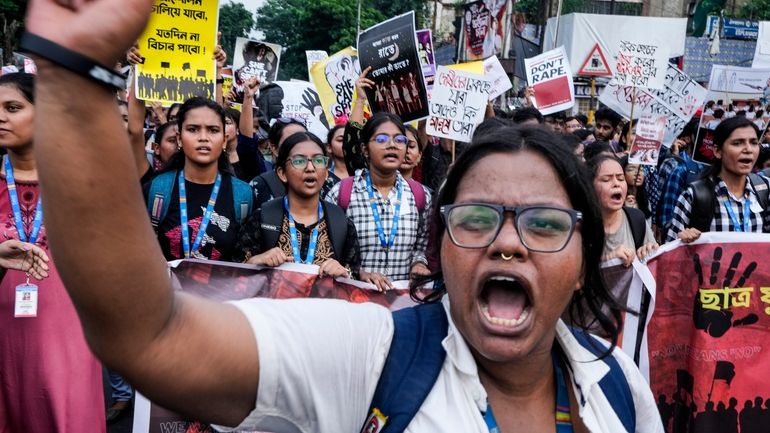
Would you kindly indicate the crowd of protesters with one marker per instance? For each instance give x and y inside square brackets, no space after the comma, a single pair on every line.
[361,203]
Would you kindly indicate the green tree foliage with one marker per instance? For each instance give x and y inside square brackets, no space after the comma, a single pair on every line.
[756,10]
[330,25]
[234,21]
[11,25]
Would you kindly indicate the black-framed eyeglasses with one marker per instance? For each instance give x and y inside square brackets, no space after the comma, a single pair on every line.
[399,140]
[300,161]
[544,229]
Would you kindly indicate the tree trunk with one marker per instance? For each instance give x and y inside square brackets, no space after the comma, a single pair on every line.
[9,35]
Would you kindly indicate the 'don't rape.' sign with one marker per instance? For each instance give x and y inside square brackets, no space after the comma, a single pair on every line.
[550,75]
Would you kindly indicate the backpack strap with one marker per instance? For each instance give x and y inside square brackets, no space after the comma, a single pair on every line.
[271,219]
[413,365]
[614,384]
[766,173]
[346,189]
[418,192]
[703,204]
[243,199]
[638,225]
[337,225]
[159,197]
[761,189]
[277,189]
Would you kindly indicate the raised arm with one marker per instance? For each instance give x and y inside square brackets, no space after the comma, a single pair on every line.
[188,354]
[136,113]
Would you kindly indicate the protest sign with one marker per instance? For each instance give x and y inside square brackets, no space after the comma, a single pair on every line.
[678,101]
[762,50]
[641,64]
[390,49]
[224,282]
[727,84]
[9,69]
[314,57]
[549,74]
[477,25]
[300,101]
[335,80]
[650,130]
[633,287]
[427,61]
[708,338]
[29,66]
[178,47]
[457,104]
[255,59]
[476,67]
[495,73]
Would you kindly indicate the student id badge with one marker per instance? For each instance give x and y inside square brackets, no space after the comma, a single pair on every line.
[26,301]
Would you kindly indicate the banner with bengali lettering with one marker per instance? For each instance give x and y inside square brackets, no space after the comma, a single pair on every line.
[222,281]
[390,49]
[709,336]
[335,79]
[178,46]
[678,100]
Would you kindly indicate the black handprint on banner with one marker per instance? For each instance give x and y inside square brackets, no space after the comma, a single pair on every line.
[312,102]
[714,319]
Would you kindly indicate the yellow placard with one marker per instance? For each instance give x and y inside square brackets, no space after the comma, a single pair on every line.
[472,67]
[178,46]
[335,80]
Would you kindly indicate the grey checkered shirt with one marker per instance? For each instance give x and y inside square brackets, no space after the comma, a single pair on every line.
[411,237]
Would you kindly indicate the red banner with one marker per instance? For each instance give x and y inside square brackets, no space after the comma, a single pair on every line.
[708,338]
[231,281]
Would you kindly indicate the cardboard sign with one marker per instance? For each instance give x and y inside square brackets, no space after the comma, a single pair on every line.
[457,104]
[300,101]
[595,64]
[390,49]
[335,79]
[641,64]
[678,101]
[550,76]
[178,47]
[314,57]
[427,61]
[650,130]
[496,74]
[255,59]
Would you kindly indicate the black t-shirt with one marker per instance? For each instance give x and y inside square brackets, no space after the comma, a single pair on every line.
[221,233]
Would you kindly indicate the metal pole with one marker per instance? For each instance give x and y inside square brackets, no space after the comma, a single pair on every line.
[558,15]
[358,21]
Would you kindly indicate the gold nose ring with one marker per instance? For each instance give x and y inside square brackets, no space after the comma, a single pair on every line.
[506,257]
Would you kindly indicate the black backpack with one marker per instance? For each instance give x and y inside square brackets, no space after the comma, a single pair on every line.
[638,225]
[272,218]
[704,201]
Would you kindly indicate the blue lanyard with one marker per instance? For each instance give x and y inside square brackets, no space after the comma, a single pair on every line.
[331,166]
[562,404]
[206,216]
[733,218]
[293,232]
[386,244]
[38,221]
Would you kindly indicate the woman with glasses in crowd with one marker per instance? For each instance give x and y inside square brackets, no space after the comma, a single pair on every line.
[390,213]
[521,247]
[268,185]
[300,227]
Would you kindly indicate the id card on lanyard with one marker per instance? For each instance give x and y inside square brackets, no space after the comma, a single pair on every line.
[25,304]
[193,250]
[737,227]
[385,243]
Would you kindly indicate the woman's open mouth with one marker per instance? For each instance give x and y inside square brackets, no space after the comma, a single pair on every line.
[505,301]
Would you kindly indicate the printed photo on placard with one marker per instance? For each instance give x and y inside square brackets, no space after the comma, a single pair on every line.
[254,59]
[390,48]
[733,91]
[427,61]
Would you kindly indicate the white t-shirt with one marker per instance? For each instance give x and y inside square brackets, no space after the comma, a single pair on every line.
[320,361]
